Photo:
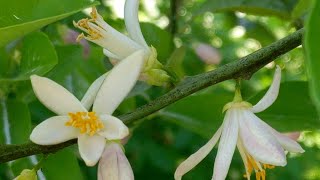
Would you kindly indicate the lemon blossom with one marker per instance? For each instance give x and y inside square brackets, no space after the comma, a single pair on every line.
[74,120]
[260,146]
[114,164]
[118,46]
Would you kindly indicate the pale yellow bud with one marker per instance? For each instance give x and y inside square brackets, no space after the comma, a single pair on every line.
[153,72]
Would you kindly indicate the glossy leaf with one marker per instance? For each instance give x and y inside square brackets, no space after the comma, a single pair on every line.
[19,17]
[202,113]
[36,56]
[280,8]
[311,42]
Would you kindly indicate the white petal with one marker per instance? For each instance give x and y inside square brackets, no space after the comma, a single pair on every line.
[197,157]
[92,92]
[110,54]
[271,95]
[53,131]
[91,148]
[131,20]
[126,172]
[114,164]
[227,145]
[108,164]
[114,128]
[114,41]
[55,97]
[259,142]
[243,157]
[119,83]
[286,142]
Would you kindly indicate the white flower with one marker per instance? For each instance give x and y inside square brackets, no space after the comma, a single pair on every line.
[260,146]
[74,119]
[113,164]
[118,46]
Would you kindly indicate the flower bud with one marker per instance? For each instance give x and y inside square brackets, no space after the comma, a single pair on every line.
[113,164]
[207,53]
[27,174]
[153,72]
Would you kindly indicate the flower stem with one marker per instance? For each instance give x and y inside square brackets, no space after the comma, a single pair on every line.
[237,95]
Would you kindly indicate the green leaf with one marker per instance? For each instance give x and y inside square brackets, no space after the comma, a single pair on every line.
[74,71]
[311,42]
[302,7]
[158,38]
[62,165]
[15,125]
[202,112]
[19,17]
[260,32]
[280,8]
[36,56]
[291,111]
[175,61]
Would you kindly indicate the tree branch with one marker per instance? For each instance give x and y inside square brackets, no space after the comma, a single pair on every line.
[242,68]
[173,17]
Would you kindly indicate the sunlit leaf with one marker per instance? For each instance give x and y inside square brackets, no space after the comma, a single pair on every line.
[19,17]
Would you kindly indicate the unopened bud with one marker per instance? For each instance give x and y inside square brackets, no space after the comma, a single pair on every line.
[113,164]
[153,72]
[157,77]
[27,174]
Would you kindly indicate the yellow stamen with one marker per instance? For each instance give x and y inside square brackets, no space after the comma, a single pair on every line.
[87,122]
[94,13]
[84,24]
[81,36]
[260,172]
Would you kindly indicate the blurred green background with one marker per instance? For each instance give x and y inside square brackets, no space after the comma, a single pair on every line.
[228,29]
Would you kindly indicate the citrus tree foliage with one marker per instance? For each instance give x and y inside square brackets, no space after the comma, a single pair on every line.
[38,37]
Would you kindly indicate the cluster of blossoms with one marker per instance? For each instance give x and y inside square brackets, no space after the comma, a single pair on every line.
[99,133]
